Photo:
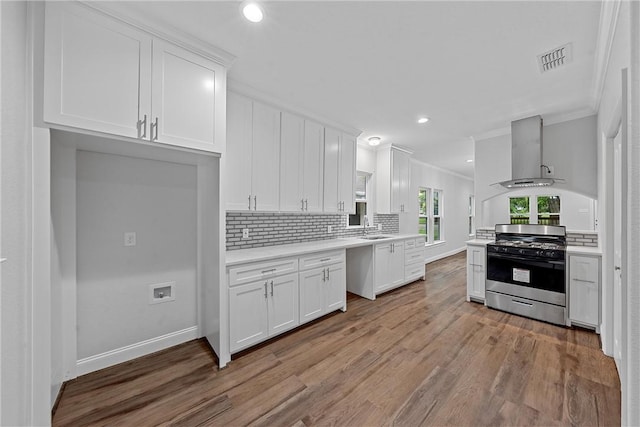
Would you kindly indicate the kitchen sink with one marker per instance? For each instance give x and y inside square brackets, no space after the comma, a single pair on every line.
[374,237]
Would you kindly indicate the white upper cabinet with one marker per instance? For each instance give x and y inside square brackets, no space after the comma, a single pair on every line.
[301,151]
[393,180]
[347,173]
[97,71]
[106,76]
[312,181]
[339,171]
[184,98]
[253,155]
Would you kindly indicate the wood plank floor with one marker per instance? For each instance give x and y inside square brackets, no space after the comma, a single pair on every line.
[419,355]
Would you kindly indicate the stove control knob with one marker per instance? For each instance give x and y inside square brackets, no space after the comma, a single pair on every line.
[539,253]
[522,251]
[550,254]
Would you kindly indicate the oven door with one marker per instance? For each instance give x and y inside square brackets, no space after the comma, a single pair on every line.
[535,278]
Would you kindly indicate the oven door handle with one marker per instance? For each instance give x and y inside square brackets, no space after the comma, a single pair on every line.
[537,261]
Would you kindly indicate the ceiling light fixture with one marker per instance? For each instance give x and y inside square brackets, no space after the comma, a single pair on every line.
[374,140]
[422,120]
[469,160]
[252,11]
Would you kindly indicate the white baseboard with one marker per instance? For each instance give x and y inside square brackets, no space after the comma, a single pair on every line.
[142,348]
[444,255]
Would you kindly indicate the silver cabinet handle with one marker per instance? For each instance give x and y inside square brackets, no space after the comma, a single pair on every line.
[306,204]
[249,201]
[271,270]
[522,303]
[142,128]
[324,274]
[255,203]
[301,204]
[328,273]
[272,288]
[265,290]
[154,125]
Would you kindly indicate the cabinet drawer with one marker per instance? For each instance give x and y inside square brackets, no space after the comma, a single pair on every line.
[413,272]
[414,256]
[262,270]
[417,242]
[320,259]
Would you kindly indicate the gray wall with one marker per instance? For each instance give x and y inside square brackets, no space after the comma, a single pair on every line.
[15,217]
[157,200]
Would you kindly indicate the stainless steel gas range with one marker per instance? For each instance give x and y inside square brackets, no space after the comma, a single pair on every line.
[526,272]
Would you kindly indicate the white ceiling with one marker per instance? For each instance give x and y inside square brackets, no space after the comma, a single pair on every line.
[377,66]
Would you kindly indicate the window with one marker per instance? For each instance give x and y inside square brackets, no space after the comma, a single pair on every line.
[423,217]
[519,210]
[437,215]
[359,219]
[544,210]
[472,215]
[549,210]
[430,211]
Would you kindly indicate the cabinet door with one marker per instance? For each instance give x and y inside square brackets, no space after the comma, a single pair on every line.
[239,136]
[584,292]
[331,167]
[247,315]
[186,91]
[283,303]
[312,294]
[291,166]
[399,181]
[313,166]
[335,288]
[96,71]
[476,261]
[265,161]
[348,173]
[396,264]
[382,274]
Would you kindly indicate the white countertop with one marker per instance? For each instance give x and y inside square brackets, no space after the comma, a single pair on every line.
[242,256]
[584,250]
[478,242]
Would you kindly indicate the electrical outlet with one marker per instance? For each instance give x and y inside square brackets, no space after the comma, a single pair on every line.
[130,238]
[329,229]
[379,227]
[245,233]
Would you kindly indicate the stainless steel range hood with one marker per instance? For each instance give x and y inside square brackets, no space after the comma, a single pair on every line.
[526,155]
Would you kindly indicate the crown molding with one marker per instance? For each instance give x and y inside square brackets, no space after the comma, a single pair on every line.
[547,119]
[609,12]
[438,168]
[279,103]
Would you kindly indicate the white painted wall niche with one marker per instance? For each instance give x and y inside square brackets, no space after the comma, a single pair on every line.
[101,189]
[157,201]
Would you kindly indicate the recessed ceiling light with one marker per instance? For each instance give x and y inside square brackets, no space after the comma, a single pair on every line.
[469,160]
[422,120]
[374,140]
[252,11]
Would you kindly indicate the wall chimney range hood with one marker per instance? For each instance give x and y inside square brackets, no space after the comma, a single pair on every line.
[526,155]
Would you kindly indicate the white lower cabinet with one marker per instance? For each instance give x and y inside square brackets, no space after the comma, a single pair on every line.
[476,271]
[262,309]
[322,289]
[270,297]
[414,268]
[389,265]
[584,290]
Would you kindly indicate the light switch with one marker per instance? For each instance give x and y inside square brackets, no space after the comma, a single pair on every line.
[130,238]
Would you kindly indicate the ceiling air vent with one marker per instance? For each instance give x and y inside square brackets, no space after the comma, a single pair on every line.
[555,58]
